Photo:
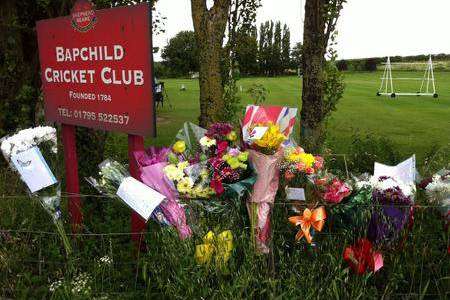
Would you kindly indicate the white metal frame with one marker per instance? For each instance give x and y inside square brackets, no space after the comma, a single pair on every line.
[387,84]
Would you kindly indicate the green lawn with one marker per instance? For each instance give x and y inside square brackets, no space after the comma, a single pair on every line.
[413,123]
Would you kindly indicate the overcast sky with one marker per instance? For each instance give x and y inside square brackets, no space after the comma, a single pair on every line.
[366,28]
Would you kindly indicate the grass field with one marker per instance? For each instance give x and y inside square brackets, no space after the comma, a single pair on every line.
[32,258]
[414,124]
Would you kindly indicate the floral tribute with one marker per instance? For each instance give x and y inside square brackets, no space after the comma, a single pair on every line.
[361,257]
[32,153]
[265,130]
[437,190]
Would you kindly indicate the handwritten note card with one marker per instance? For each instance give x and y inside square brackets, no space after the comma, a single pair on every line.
[33,169]
[139,197]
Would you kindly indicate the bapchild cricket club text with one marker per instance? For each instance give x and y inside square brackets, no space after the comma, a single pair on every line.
[107,75]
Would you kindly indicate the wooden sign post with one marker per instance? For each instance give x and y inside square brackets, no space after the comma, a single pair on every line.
[96,70]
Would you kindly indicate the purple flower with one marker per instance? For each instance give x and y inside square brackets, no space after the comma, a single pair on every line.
[218,131]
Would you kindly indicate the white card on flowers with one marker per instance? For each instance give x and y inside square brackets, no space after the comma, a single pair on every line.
[33,169]
[405,171]
[139,197]
[257,133]
[295,194]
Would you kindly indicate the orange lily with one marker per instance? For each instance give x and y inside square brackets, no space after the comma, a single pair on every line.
[315,218]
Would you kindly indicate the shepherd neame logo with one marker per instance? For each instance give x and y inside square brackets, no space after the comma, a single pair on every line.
[83,16]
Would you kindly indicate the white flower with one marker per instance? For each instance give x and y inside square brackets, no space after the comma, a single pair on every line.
[81,285]
[387,183]
[27,138]
[207,142]
[55,285]
[106,260]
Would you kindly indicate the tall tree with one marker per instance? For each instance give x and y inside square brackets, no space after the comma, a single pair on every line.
[209,26]
[276,50]
[286,48]
[245,52]
[261,47]
[241,20]
[320,22]
[296,56]
[181,53]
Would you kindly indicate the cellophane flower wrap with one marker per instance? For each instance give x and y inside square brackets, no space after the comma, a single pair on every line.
[392,208]
[151,168]
[209,170]
[111,175]
[438,193]
[38,142]
[266,154]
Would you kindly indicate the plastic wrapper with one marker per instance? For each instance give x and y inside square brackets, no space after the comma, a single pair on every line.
[151,166]
[32,154]
[116,181]
[264,129]
[262,198]
[437,190]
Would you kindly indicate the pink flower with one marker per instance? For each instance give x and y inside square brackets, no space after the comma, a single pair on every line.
[309,171]
[234,152]
[337,191]
[300,166]
[318,164]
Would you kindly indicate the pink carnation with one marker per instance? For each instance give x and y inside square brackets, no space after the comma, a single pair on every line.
[336,191]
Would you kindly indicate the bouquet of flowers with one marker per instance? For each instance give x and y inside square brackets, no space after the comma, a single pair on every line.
[152,163]
[265,129]
[190,177]
[438,193]
[299,171]
[217,167]
[116,181]
[227,163]
[32,153]
[392,201]
[350,208]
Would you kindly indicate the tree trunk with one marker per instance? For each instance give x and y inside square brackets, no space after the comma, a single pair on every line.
[209,27]
[312,127]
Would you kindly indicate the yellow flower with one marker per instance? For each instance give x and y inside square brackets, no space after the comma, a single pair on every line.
[173,173]
[220,245]
[243,156]
[232,136]
[182,165]
[185,185]
[272,138]
[179,147]
[307,158]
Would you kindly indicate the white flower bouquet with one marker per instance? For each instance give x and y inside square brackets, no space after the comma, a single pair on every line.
[116,181]
[438,192]
[32,153]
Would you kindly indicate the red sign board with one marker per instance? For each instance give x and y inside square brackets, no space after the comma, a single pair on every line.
[96,68]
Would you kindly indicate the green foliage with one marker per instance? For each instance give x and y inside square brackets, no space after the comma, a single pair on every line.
[367,149]
[233,107]
[333,88]
[246,47]
[296,56]
[181,55]
[258,93]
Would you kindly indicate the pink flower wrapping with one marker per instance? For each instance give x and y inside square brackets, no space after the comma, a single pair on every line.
[153,176]
[263,195]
